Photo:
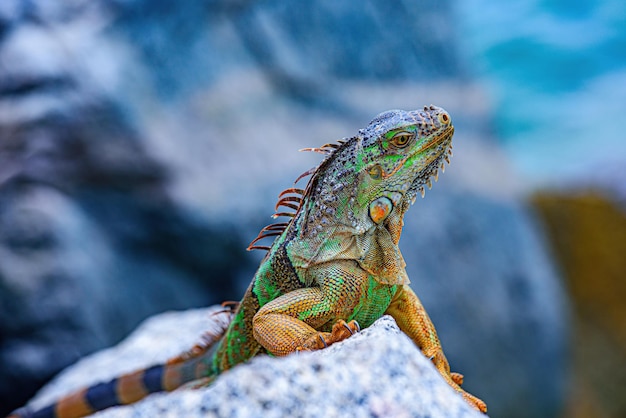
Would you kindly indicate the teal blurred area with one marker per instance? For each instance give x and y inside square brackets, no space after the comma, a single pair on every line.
[143,144]
[556,72]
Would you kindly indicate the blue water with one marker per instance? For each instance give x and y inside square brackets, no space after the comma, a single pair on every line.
[556,74]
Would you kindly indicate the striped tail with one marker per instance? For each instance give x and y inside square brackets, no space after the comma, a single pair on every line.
[123,390]
[129,388]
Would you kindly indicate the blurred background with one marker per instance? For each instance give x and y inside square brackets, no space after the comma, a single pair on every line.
[143,145]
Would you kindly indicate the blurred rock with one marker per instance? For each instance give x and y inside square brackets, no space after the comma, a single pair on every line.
[87,253]
[90,241]
[168,129]
[377,372]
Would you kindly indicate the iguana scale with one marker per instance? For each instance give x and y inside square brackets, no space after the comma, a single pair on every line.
[333,268]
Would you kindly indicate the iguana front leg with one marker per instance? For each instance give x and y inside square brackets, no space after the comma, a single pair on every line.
[292,321]
[288,323]
[413,320]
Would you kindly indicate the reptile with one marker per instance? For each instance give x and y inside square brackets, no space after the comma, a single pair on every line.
[334,266]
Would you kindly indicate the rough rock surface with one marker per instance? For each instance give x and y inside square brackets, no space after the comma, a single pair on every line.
[143,143]
[376,373]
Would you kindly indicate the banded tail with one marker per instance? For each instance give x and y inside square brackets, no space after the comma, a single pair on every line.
[129,388]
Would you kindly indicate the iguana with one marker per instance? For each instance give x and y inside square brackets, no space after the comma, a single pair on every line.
[333,267]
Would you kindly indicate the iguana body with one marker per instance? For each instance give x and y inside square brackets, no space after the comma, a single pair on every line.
[334,267]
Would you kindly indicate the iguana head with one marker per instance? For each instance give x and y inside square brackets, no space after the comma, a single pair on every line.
[353,205]
[380,170]
[399,152]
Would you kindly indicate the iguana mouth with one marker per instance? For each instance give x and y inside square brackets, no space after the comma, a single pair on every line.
[441,137]
[432,169]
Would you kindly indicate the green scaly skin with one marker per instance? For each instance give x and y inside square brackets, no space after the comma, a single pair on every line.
[335,266]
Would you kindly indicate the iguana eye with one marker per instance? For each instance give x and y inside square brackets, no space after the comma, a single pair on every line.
[401,139]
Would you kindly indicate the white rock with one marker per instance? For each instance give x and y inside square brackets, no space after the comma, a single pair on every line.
[377,373]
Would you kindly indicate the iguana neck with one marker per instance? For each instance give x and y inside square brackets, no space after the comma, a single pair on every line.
[335,224]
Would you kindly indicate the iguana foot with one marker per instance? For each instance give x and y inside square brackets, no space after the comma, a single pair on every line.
[454,379]
[340,331]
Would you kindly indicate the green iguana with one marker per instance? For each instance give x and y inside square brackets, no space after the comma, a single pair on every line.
[334,267]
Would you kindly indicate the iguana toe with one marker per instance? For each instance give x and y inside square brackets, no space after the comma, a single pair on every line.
[342,330]
[476,403]
[457,378]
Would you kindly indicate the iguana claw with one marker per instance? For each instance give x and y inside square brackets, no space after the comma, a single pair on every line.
[353,326]
[342,330]
[323,341]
